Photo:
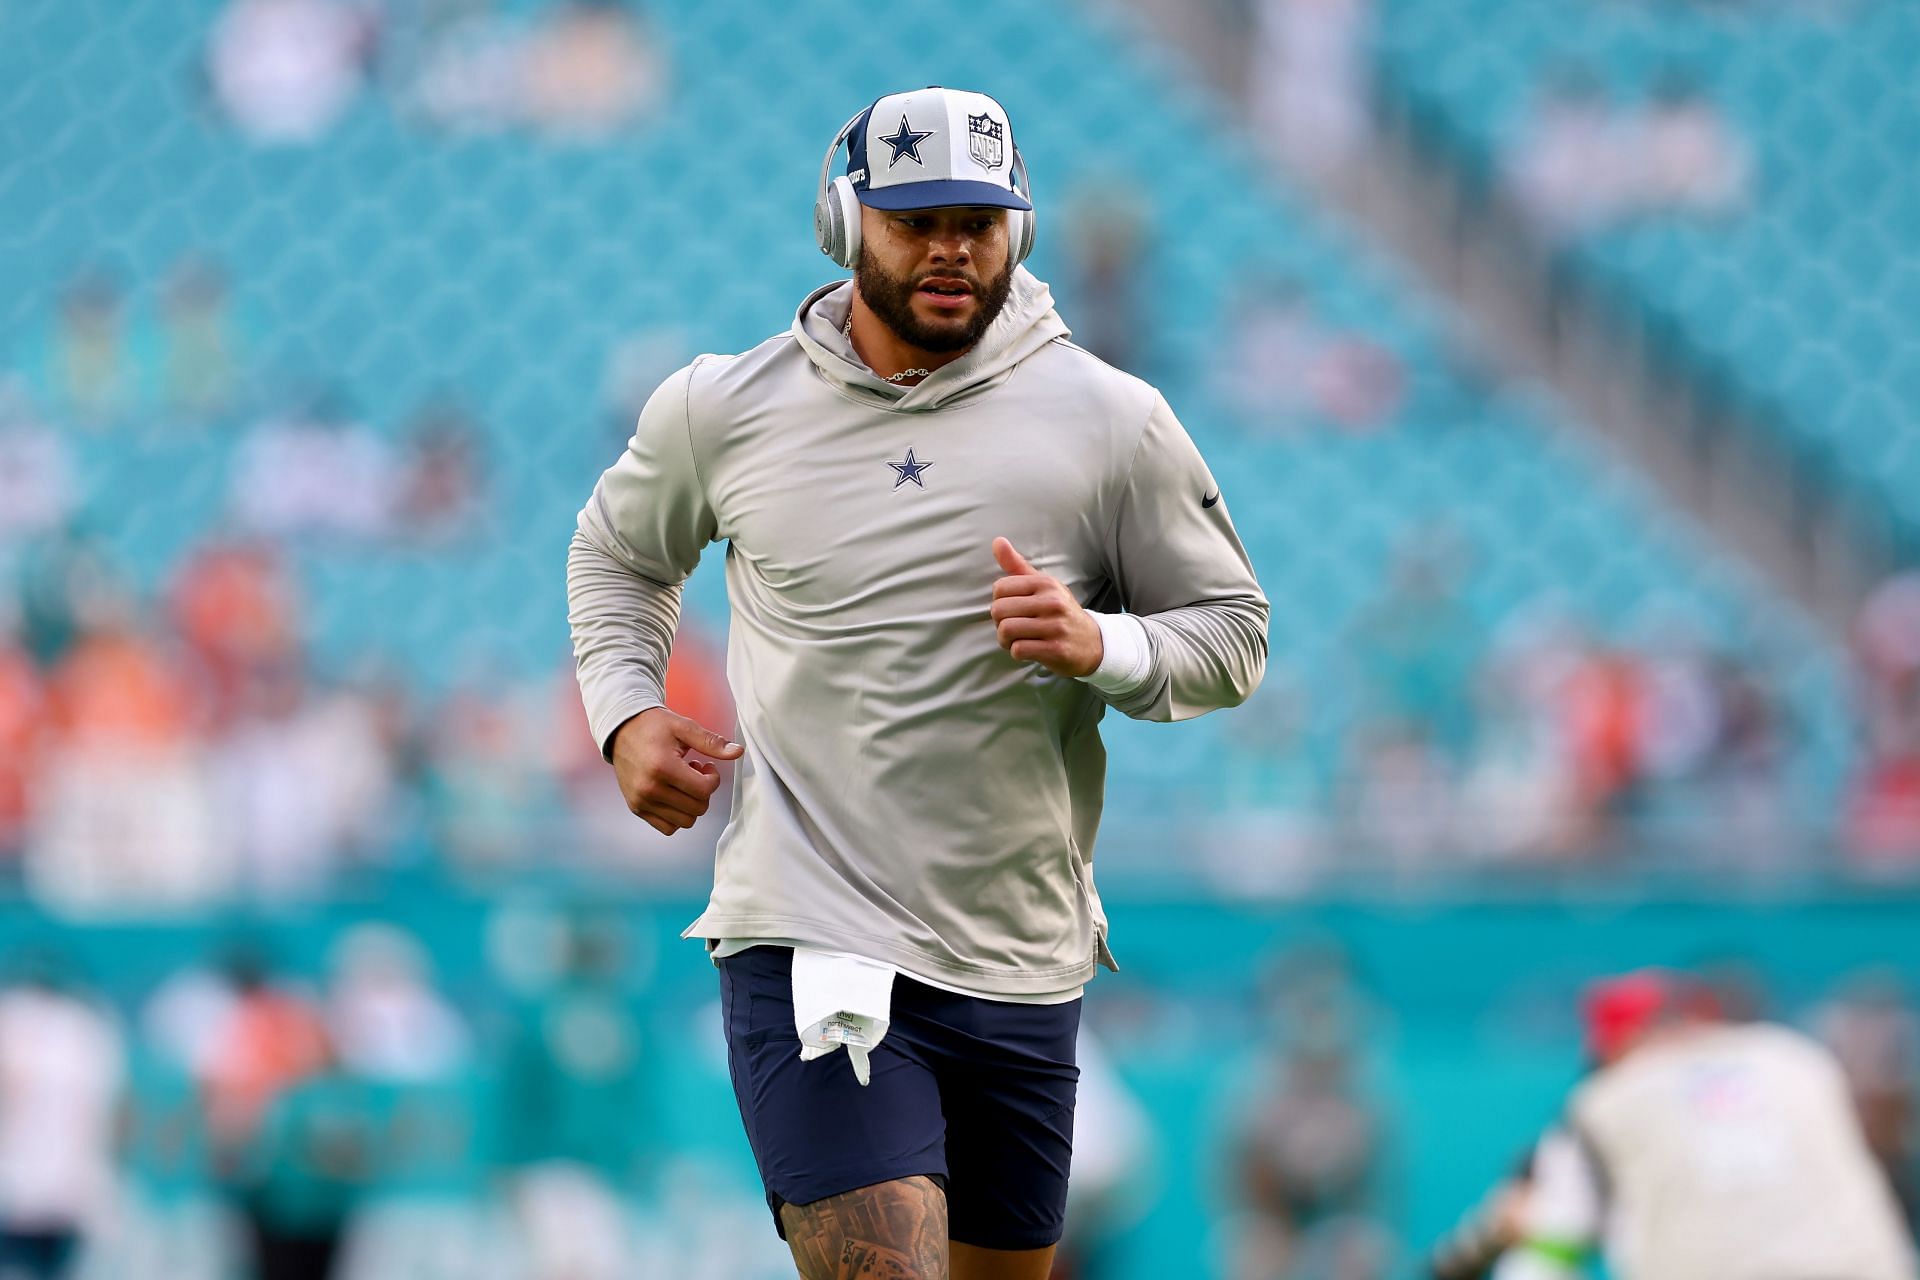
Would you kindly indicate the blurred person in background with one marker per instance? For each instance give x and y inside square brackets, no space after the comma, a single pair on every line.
[441,475]
[1271,789]
[1744,772]
[235,604]
[487,782]
[1310,78]
[186,1017]
[315,470]
[1108,247]
[93,376]
[1882,820]
[1695,1148]
[1307,1167]
[1308,1156]
[67,582]
[1282,369]
[39,485]
[1583,163]
[1521,796]
[285,71]
[1397,800]
[125,810]
[589,70]
[1413,651]
[1604,709]
[1559,762]
[23,727]
[582,1121]
[458,65]
[1570,169]
[1872,1028]
[1682,686]
[306,1168]
[249,1038]
[1263,372]
[62,1079]
[1689,158]
[1416,645]
[386,1020]
[306,782]
[200,359]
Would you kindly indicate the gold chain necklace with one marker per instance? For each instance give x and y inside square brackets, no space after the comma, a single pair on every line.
[847,329]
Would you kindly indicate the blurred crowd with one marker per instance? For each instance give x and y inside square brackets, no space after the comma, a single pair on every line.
[374,1108]
[1550,741]
[168,738]
[287,72]
[169,741]
[172,753]
[236,1117]
[1586,162]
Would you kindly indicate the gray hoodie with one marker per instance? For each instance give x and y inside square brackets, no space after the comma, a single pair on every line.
[910,793]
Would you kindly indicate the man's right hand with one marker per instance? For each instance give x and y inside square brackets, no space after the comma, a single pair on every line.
[662,783]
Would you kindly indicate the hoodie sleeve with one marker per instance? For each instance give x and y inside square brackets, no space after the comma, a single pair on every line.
[638,537]
[1180,568]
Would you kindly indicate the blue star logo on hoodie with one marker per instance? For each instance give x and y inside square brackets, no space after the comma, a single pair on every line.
[906,142]
[909,470]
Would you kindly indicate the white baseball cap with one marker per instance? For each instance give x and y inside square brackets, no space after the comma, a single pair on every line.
[931,148]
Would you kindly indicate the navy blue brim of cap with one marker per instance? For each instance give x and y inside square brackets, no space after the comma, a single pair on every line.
[941,194]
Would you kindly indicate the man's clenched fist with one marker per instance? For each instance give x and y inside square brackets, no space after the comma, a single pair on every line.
[659,779]
[1038,620]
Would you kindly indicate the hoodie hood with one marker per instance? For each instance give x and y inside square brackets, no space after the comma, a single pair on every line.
[1027,323]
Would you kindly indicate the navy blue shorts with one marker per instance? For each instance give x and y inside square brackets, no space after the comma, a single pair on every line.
[975,1094]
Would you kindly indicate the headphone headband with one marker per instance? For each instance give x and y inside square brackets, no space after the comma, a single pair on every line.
[826,163]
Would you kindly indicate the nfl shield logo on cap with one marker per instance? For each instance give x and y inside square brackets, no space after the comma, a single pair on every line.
[932,148]
[986,141]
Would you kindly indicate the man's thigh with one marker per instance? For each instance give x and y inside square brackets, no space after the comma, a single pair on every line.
[1008,1081]
[816,1132]
[890,1231]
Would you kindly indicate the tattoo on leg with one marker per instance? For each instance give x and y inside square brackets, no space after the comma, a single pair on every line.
[891,1231]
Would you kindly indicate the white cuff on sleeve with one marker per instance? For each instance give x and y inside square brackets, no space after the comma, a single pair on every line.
[1127,655]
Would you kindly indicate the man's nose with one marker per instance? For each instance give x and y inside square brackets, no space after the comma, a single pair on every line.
[953,250]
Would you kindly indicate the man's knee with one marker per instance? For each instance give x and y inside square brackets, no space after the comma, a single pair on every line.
[890,1231]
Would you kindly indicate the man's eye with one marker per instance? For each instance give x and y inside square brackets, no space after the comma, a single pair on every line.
[914,224]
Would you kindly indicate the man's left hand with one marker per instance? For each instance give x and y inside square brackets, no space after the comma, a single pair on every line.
[1038,620]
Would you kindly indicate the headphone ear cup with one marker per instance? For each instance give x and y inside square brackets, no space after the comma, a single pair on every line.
[836,223]
[1020,234]
[850,218]
[827,232]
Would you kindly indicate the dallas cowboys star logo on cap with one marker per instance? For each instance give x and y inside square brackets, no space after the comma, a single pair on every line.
[906,142]
[909,470]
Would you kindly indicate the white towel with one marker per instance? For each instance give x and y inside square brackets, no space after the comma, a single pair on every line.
[840,1000]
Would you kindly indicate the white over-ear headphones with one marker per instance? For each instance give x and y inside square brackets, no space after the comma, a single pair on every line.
[836,207]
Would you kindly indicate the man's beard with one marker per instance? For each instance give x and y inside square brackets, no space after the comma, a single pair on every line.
[891,299]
